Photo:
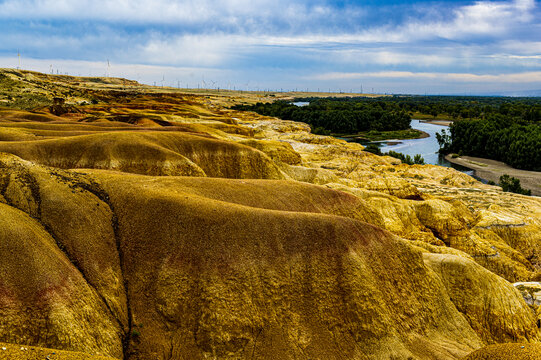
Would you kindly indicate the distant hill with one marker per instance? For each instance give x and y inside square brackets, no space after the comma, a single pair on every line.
[524,93]
[514,93]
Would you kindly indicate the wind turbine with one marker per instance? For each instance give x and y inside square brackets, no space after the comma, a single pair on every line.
[204,83]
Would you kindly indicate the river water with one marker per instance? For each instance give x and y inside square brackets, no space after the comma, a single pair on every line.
[428,147]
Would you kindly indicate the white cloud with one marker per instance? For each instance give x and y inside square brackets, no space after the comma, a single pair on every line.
[388,56]
[521,46]
[536,57]
[207,13]
[200,50]
[204,34]
[483,18]
[524,77]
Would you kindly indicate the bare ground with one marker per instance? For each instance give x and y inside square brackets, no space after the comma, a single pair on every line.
[492,170]
[438,122]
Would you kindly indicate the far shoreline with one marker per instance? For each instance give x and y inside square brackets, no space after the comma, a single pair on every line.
[492,170]
[437,122]
[360,138]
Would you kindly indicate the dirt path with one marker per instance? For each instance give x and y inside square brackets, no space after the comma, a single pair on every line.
[492,170]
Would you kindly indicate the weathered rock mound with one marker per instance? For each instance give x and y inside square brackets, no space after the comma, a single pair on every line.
[152,153]
[44,299]
[482,297]
[175,267]
[18,352]
[507,352]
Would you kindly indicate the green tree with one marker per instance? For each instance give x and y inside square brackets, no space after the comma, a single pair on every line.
[444,141]
[418,159]
[512,184]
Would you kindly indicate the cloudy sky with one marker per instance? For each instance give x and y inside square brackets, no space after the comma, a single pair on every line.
[394,46]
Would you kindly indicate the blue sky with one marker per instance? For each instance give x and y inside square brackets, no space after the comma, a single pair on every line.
[435,47]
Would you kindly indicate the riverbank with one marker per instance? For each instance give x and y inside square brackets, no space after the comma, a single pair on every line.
[420,116]
[492,170]
[438,122]
[371,136]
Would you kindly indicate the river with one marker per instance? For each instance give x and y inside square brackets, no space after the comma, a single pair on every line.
[428,147]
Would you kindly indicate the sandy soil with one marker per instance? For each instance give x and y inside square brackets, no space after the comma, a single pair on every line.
[492,170]
[438,122]
[25,352]
[507,352]
[422,136]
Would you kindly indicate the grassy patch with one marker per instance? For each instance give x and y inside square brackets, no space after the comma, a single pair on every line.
[446,117]
[28,101]
[385,135]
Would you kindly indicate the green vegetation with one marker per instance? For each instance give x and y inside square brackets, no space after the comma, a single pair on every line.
[467,107]
[504,129]
[512,184]
[513,141]
[29,102]
[373,148]
[375,135]
[406,159]
[444,141]
[449,107]
[338,115]
[14,95]
[499,128]
[418,159]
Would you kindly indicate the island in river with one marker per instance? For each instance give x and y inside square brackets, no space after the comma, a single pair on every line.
[374,135]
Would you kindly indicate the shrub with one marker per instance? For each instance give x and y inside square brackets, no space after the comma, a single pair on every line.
[406,159]
[373,148]
[418,159]
[512,184]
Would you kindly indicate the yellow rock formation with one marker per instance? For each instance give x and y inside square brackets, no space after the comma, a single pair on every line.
[167,226]
[507,352]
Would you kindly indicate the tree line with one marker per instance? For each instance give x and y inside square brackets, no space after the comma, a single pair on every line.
[405,158]
[467,107]
[498,138]
[337,116]
[500,128]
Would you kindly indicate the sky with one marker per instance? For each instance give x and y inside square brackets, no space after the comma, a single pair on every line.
[394,46]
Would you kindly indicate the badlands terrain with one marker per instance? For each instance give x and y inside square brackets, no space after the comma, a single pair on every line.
[154,223]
